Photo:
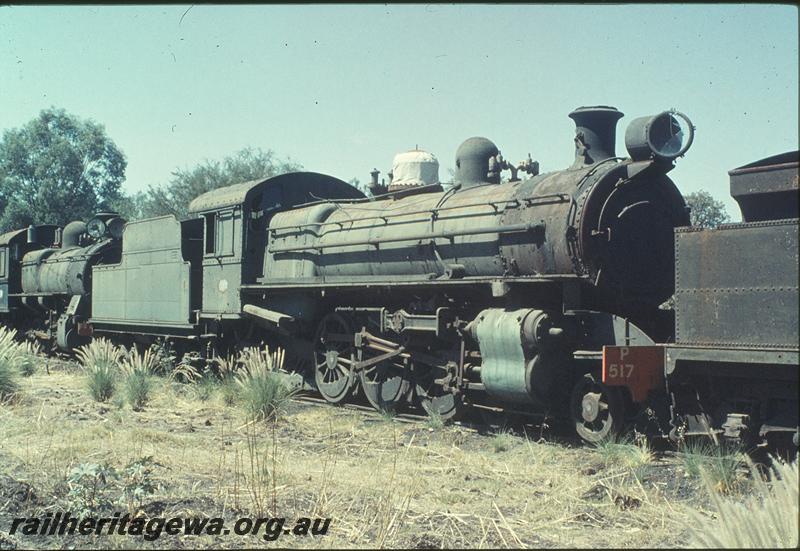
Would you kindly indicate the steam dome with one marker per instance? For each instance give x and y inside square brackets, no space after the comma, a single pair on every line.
[414,168]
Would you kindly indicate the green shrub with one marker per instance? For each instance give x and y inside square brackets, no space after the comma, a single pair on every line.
[164,357]
[100,360]
[137,370]
[226,371]
[264,394]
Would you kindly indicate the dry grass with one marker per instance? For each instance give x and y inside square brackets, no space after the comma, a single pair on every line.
[9,384]
[390,485]
[16,359]
[768,519]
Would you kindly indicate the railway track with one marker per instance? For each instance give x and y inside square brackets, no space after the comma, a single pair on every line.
[484,425]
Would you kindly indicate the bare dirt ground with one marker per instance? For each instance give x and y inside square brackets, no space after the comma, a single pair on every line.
[383,483]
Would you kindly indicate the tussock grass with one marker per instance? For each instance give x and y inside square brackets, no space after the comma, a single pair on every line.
[626,453]
[30,355]
[434,420]
[12,354]
[205,387]
[226,369]
[387,415]
[100,360]
[184,373]
[767,519]
[137,370]
[503,441]
[719,465]
[264,394]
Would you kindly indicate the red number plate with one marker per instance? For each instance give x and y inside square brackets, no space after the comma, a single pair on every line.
[640,368]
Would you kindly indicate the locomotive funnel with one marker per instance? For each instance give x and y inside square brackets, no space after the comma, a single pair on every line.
[595,133]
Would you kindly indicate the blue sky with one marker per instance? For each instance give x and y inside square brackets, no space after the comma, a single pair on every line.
[342,88]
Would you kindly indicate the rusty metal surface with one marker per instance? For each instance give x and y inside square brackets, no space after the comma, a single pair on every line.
[767,189]
[738,285]
[732,355]
[595,133]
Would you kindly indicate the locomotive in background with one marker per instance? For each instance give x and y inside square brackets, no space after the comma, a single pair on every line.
[498,295]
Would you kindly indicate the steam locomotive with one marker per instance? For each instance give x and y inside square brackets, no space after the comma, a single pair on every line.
[497,293]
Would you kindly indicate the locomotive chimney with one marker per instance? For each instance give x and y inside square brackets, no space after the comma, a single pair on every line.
[595,133]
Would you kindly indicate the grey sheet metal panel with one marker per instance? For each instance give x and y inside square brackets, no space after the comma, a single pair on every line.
[222,269]
[301,264]
[477,253]
[221,287]
[738,285]
[152,281]
[223,197]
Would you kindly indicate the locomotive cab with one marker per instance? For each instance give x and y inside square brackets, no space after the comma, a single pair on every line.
[235,220]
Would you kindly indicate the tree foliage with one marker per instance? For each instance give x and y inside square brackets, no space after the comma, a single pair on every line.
[57,168]
[186,184]
[706,211]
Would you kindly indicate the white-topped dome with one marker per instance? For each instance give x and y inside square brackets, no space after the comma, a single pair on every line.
[414,168]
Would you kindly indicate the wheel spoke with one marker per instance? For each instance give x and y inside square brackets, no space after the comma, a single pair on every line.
[386,389]
[334,339]
[597,410]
